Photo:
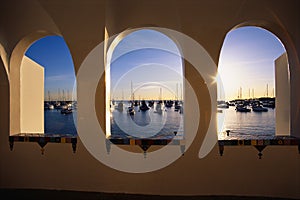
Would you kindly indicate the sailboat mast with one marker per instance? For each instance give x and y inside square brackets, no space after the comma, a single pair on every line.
[160,94]
[59,95]
[132,93]
[49,98]
[181,91]
[241,92]
[177,91]
[63,95]
[249,94]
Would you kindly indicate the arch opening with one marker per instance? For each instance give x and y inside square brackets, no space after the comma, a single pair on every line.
[45,83]
[253,89]
[144,86]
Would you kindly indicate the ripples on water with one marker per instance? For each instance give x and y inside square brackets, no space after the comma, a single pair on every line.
[246,124]
[146,124]
[149,124]
[57,123]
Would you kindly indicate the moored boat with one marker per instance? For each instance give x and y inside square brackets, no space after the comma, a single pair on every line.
[259,108]
[158,108]
[51,107]
[119,107]
[143,106]
[242,108]
[130,110]
[66,111]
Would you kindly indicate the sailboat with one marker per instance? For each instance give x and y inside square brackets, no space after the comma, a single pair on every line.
[120,106]
[66,110]
[242,108]
[158,108]
[130,109]
[50,105]
[177,104]
[268,102]
[259,108]
[143,106]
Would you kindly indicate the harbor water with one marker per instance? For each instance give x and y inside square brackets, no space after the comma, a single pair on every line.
[167,124]
[58,123]
[150,123]
[246,125]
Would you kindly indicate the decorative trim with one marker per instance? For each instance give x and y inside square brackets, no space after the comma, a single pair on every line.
[43,139]
[145,143]
[259,144]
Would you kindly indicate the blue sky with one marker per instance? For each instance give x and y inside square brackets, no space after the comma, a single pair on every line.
[149,60]
[147,56]
[53,54]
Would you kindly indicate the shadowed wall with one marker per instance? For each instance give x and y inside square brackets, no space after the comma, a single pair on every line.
[82,24]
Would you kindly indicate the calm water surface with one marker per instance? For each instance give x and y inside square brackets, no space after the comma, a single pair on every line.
[57,123]
[150,124]
[246,124]
[146,124]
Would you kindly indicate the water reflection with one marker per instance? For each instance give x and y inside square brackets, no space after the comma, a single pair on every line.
[146,124]
[243,125]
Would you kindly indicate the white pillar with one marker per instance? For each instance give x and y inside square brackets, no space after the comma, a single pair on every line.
[282,85]
[32,97]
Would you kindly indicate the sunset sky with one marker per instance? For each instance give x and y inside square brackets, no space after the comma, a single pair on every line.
[148,60]
[247,62]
